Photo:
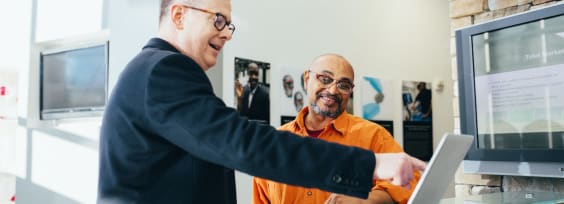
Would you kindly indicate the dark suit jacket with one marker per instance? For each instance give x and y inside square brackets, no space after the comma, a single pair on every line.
[424,98]
[166,138]
[260,105]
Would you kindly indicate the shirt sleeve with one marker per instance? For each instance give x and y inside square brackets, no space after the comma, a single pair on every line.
[260,193]
[399,194]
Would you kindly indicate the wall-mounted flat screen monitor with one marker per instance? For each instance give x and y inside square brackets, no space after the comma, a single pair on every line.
[511,78]
[73,81]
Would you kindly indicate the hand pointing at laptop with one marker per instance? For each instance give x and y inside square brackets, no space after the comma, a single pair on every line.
[397,168]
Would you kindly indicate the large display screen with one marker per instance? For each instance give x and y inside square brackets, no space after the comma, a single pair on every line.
[73,82]
[519,86]
[511,93]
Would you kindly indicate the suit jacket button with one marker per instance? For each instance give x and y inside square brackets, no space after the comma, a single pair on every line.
[337,179]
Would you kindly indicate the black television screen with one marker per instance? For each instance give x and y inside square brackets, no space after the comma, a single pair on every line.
[73,82]
[511,82]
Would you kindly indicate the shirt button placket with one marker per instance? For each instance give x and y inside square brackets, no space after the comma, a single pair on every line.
[309,198]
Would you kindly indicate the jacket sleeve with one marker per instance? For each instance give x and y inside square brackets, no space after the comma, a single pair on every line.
[181,104]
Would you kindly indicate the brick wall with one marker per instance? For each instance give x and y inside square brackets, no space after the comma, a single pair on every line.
[468,12]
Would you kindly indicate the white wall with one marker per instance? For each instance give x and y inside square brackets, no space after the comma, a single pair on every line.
[397,40]
[15,53]
[131,24]
[13,58]
[15,21]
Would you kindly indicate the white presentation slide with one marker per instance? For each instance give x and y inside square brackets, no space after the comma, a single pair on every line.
[529,100]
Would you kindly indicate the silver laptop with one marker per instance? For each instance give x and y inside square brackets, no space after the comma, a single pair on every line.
[440,170]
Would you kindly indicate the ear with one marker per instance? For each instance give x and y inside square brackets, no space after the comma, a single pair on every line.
[177,16]
[306,78]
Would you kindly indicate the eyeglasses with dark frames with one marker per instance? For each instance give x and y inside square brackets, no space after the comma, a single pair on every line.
[326,81]
[220,21]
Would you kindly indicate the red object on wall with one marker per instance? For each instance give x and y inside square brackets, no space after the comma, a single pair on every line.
[13,199]
[2,90]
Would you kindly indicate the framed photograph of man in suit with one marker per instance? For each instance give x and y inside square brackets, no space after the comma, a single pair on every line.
[252,89]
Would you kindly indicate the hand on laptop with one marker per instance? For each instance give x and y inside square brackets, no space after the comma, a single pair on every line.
[397,168]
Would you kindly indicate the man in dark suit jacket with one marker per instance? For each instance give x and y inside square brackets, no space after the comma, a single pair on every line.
[166,138]
[422,103]
[255,100]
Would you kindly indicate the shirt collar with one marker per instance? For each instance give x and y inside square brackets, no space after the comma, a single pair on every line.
[160,44]
[255,89]
[339,124]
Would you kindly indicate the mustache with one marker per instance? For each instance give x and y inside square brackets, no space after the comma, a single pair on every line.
[337,98]
[328,113]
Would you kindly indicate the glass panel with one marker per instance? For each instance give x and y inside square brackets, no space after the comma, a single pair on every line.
[519,81]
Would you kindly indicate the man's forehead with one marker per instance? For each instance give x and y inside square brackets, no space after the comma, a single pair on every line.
[253,71]
[332,65]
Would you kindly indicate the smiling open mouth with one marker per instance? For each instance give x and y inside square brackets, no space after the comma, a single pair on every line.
[328,99]
[215,47]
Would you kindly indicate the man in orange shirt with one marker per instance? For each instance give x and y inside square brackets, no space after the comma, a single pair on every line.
[329,84]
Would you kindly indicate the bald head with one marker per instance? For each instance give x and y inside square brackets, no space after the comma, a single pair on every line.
[253,74]
[329,84]
[252,67]
[333,61]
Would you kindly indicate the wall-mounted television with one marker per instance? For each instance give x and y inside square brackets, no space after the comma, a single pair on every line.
[511,88]
[73,78]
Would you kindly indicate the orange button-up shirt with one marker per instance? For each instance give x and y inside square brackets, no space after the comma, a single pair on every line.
[345,129]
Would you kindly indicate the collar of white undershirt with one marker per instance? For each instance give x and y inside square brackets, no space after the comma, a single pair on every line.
[254,90]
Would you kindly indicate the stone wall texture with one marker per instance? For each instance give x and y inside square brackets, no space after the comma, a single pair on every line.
[465,13]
